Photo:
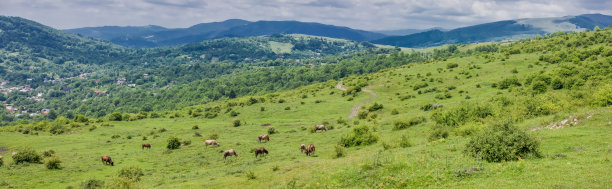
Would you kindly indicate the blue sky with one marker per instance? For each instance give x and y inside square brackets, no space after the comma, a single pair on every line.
[359,14]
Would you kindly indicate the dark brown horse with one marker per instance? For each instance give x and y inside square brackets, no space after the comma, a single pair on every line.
[261,151]
[264,137]
[230,152]
[303,148]
[106,160]
[320,127]
[310,149]
[146,145]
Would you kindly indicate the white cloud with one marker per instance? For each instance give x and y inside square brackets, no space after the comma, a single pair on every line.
[361,14]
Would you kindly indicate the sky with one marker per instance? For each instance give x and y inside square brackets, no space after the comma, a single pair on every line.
[359,14]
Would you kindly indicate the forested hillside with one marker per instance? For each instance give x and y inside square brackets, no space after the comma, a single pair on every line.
[534,113]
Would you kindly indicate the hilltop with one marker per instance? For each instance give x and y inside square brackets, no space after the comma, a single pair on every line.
[422,128]
[499,31]
[153,36]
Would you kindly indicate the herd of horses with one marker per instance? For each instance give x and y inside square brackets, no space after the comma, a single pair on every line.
[308,150]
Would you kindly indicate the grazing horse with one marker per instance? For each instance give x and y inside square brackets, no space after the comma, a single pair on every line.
[230,152]
[310,149]
[303,148]
[264,137]
[106,160]
[320,127]
[211,142]
[146,145]
[261,151]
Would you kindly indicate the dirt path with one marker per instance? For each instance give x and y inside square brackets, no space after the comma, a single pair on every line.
[355,108]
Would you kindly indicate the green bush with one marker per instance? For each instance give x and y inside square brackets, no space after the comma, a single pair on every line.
[361,135]
[115,116]
[195,127]
[80,118]
[53,163]
[402,124]
[131,173]
[213,136]
[197,134]
[508,82]
[405,142]
[340,151]
[173,143]
[438,132]
[250,175]
[451,65]
[236,123]
[461,114]
[271,130]
[394,112]
[503,142]
[27,155]
[92,184]
[375,107]
[362,114]
[48,153]
[186,142]
[603,97]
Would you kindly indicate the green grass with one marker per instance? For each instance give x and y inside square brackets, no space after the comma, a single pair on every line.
[573,157]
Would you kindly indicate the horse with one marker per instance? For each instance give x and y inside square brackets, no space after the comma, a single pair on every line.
[319,127]
[310,149]
[106,160]
[146,145]
[264,137]
[230,152]
[302,148]
[211,142]
[261,151]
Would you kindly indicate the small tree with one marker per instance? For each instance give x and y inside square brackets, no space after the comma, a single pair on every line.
[236,123]
[173,143]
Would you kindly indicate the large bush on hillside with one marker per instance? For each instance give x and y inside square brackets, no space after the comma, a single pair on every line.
[173,143]
[115,116]
[461,114]
[503,142]
[27,155]
[603,97]
[361,135]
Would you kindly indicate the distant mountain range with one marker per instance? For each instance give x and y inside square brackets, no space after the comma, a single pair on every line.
[153,36]
[498,31]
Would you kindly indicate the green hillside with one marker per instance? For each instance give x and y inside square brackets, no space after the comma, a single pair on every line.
[528,114]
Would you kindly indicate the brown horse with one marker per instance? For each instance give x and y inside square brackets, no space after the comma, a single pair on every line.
[211,142]
[230,152]
[146,145]
[310,149]
[106,160]
[264,137]
[320,127]
[261,151]
[303,148]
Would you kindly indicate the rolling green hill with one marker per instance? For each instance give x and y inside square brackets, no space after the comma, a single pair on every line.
[498,31]
[527,114]
[148,36]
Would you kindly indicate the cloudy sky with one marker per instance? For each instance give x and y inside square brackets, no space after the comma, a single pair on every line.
[360,14]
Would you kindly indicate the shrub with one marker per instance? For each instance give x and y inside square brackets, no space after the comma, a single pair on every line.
[281,100]
[186,142]
[27,155]
[539,87]
[438,132]
[402,124]
[48,153]
[53,163]
[250,175]
[173,143]
[275,168]
[163,130]
[362,114]
[197,134]
[387,146]
[115,136]
[361,135]
[375,107]
[340,151]
[503,142]
[405,142]
[236,123]
[451,65]
[461,114]
[271,130]
[131,173]
[508,82]
[429,107]
[287,108]
[262,109]
[154,115]
[603,97]
[144,137]
[213,136]
[115,116]
[234,113]
[92,184]
[394,112]
[80,118]
[195,127]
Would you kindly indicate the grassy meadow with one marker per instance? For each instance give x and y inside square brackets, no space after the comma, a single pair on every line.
[573,155]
